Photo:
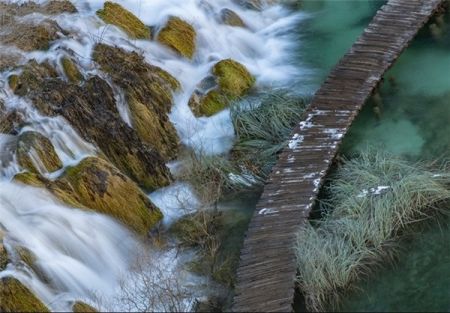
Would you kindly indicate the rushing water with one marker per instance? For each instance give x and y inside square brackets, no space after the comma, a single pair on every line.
[88,256]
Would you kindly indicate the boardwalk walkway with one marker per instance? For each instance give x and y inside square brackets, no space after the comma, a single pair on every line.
[267,269]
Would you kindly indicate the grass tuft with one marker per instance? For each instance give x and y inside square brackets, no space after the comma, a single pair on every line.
[375,200]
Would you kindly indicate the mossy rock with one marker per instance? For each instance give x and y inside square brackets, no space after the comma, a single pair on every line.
[233,81]
[36,153]
[3,252]
[179,36]
[92,110]
[31,37]
[231,18]
[148,91]
[8,59]
[58,7]
[11,121]
[15,297]
[255,5]
[115,14]
[103,188]
[81,307]
[13,82]
[71,70]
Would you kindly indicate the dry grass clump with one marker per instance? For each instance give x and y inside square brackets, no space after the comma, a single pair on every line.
[375,201]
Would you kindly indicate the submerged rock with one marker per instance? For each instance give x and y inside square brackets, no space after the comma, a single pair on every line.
[233,81]
[148,90]
[92,110]
[36,153]
[15,297]
[115,14]
[229,17]
[180,36]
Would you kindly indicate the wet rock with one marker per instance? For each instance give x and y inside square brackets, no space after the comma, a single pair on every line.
[233,81]
[10,121]
[15,297]
[29,37]
[71,70]
[52,7]
[97,185]
[250,4]
[8,59]
[81,307]
[229,17]
[148,91]
[36,153]
[3,253]
[91,109]
[32,77]
[115,14]
[179,36]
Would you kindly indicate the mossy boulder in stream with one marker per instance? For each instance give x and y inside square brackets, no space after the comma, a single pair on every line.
[81,307]
[36,153]
[97,185]
[71,70]
[29,37]
[231,18]
[233,81]
[92,110]
[103,188]
[148,91]
[180,36]
[115,14]
[15,297]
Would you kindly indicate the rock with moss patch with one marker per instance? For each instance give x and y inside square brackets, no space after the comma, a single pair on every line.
[15,297]
[30,37]
[81,307]
[231,18]
[115,14]
[148,91]
[179,36]
[71,70]
[233,80]
[36,153]
[91,108]
[3,252]
[103,188]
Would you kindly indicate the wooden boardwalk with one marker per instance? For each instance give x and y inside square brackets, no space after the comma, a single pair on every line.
[267,269]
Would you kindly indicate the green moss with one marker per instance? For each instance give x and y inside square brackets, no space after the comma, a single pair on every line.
[115,14]
[13,82]
[233,78]
[101,187]
[33,144]
[31,37]
[180,36]
[15,297]
[3,253]
[71,70]
[213,102]
[81,307]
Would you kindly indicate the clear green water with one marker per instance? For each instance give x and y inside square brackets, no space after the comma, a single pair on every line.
[414,123]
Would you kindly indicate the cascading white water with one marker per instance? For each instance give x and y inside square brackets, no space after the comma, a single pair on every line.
[84,254]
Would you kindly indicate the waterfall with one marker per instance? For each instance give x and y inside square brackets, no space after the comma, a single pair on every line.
[80,255]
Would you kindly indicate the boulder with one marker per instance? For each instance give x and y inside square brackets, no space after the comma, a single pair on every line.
[95,184]
[36,153]
[179,36]
[148,91]
[92,110]
[71,70]
[52,7]
[15,297]
[30,37]
[81,307]
[232,81]
[229,17]
[115,14]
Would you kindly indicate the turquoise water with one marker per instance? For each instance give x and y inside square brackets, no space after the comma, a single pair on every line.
[414,123]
